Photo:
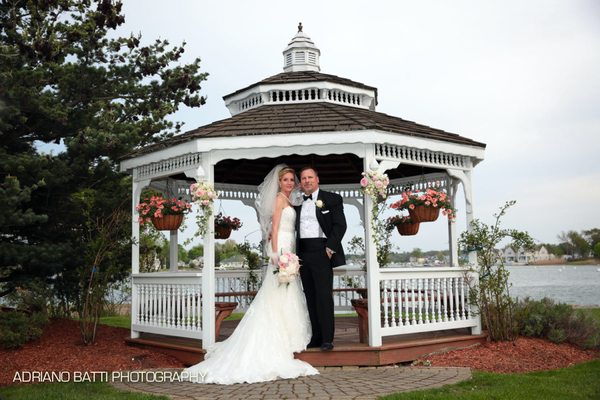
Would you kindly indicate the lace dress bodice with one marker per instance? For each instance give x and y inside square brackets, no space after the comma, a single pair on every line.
[286,237]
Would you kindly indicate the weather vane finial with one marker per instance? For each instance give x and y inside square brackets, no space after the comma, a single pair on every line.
[300,27]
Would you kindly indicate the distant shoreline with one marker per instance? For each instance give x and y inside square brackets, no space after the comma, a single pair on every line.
[559,261]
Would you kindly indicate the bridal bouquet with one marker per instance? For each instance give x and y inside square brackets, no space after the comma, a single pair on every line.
[288,267]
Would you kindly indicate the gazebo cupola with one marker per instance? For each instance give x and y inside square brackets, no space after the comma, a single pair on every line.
[301,54]
[302,82]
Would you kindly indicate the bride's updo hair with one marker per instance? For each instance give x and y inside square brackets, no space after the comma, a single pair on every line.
[285,171]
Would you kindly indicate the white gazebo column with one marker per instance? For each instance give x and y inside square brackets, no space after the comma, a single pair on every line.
[208,270]
[452,237]
[173,251]
[136,192]
[373,274]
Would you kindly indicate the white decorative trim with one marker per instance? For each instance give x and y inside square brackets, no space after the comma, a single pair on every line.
[301,92]
[169,166]
[411,155]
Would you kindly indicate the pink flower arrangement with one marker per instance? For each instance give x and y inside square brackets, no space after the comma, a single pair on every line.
[288,267]
[158,206]
[204,194]
[431,197]
[375,185]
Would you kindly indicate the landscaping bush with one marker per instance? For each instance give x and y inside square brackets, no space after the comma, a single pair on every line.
[557,323]
[18,328]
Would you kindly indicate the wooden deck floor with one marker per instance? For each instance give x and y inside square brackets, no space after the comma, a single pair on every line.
[348,350]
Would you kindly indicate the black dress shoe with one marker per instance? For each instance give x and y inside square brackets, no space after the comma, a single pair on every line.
[312,346]
[327,347]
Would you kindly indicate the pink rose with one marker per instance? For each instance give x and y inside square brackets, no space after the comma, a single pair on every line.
[364,182]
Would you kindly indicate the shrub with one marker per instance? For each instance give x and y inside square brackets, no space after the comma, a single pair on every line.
[557,323]
[18,328]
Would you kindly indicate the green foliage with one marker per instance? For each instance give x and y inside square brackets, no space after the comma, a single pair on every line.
[73,390]
[66,78]
[579,382]
[597,250]
[491,294]
[18,328]
[575,244]
[252,260]
[557,323]
[357,250]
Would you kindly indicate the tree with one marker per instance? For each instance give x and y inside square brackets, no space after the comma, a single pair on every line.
[65,79]
[592,236]
[416,253]
[597,250]
[491,294]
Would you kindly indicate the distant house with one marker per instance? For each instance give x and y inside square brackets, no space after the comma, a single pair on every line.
[521,256]
[234,262]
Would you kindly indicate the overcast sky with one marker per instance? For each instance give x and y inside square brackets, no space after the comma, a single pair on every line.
[521,76]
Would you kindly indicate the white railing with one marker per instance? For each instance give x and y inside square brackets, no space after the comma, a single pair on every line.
[425,299]
[412,299]
[242,288]
[167,303]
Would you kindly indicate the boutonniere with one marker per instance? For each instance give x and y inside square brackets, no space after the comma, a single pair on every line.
[320,204]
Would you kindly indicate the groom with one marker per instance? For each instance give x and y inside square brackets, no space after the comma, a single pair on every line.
[320,226]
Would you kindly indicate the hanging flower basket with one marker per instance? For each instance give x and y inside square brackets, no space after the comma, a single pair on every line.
[166,214]
[424,213]
[405,225]
[224,225]
[170,222]
[425,206]
[222,232]
[408,229]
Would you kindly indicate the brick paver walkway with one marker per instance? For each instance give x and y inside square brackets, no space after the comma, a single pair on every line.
[332,383]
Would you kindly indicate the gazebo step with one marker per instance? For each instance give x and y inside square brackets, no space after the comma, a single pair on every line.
[348,350]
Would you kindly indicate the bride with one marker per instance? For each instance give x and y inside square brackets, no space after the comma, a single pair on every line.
[276,325]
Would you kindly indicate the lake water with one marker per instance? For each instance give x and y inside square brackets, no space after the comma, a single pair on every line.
[575,285]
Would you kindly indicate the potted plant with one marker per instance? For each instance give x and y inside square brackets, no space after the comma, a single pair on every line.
[165,214]
[404,223]
[425,206]
[224,225]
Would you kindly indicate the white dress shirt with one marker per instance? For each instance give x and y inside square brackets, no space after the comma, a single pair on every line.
[309,225]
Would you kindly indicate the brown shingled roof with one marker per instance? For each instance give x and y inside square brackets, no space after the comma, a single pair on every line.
[306,76]
[308,118]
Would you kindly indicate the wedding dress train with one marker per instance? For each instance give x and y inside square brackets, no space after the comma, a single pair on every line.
[274,327]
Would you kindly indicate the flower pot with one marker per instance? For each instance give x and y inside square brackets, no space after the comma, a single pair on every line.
[424,213]
[222,232]
[408,229]
[168,222]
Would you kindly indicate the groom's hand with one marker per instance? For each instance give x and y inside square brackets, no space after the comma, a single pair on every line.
[329,252]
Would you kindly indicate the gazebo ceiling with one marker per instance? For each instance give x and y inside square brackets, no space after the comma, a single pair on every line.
[333,169]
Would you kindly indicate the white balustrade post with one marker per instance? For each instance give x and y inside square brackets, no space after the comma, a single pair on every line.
[136,191]
[452,236]
[173,251]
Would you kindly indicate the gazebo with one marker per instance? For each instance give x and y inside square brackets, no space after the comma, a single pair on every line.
[305,117]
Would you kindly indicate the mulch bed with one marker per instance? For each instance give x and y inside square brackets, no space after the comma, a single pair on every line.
[523,355]
[60,349]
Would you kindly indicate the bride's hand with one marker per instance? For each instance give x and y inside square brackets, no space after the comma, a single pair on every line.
[274,258]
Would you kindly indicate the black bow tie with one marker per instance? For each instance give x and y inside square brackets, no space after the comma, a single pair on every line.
[305,197]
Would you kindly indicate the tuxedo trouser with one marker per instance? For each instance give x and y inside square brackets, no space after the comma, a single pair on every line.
[317,280]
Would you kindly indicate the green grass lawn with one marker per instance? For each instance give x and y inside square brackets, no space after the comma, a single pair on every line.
[71,391]
[119,321]
[574,383]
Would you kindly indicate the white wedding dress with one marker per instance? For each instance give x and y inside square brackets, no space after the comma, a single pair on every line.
[274,327]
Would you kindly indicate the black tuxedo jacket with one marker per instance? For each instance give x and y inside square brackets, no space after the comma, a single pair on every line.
[333,223]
